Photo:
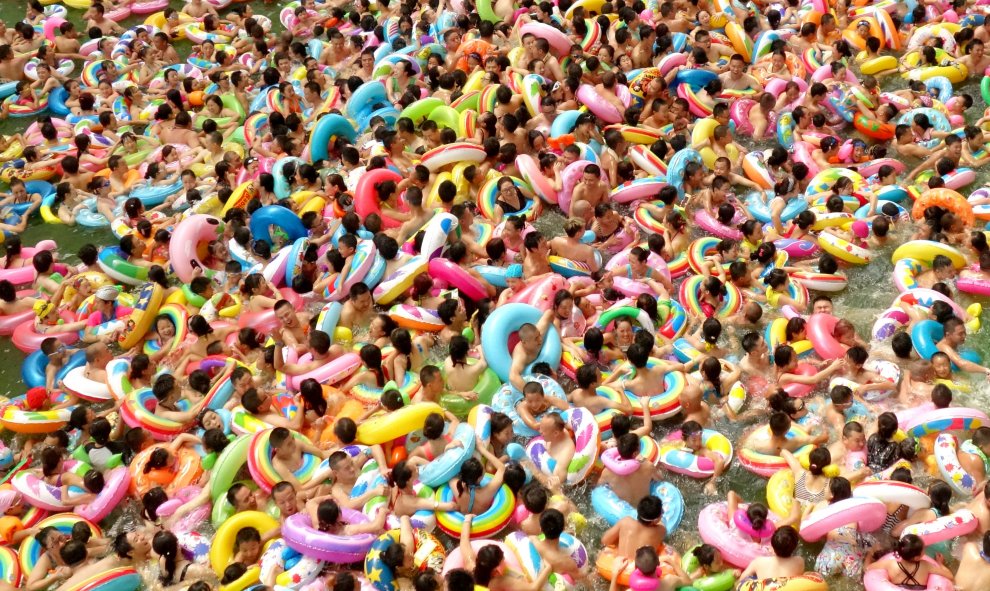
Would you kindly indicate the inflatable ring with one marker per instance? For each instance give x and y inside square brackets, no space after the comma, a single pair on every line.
[844,250]
[484,525]
[820,329]
[501,325]
[222,548]
[15,417]
[186,471]
[763,464]
[676,458]
[925,252]
[428,551]
[946,199]
[581,423]
[717,528]
[609,506]
[690,297]
[387,426]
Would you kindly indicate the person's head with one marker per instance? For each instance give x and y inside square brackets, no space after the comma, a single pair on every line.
[887,425]
[552,524]
[73,553]
[818,459]
[284,495]
[910,548]
[784,541]
[839,489]
[780,423]
[649,510]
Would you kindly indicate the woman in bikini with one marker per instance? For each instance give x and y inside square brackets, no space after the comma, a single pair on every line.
[402,498]
[175,569]
[471,496]
[809,485]
[906,567]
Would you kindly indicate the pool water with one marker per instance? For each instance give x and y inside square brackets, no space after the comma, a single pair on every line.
[870,292]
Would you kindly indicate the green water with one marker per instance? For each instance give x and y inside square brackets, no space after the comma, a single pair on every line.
[870,292]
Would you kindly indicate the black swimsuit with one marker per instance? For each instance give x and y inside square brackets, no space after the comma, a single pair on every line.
[507,209]
[910,582]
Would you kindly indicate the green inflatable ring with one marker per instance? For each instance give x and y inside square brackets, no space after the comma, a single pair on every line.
[487,12]
[445,116]
[486,387]
[723,581]
[193,299]
[228,465]
[421,109]
[223,510]
[230,102]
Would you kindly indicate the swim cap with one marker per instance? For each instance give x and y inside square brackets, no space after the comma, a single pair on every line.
[860,229]
[35,398]
[107,293]
[42,308]
[514,272]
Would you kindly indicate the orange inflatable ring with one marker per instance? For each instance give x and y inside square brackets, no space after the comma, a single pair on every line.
[186,471]
[478,46]
[853,37]
[946,199]
[873,129]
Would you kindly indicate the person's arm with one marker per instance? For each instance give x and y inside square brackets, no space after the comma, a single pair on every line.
[620,566]
[467,552]
[647,428]
[792,462]
[563,464]
[928,163]
[749,572]
[963,364]
[920,516]
[182,416]
[710,486]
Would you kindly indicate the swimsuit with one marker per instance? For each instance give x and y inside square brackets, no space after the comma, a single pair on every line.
[910,582]
[801,492]
[506,208]
[968,447]
[892,519]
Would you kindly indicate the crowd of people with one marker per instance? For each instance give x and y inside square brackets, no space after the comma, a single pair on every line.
[378,291]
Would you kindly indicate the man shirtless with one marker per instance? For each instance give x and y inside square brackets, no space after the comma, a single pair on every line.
[588,193]
[198,9]
[631,487]
[288,457]
[453,314]
[649,379]
[783,563]
[536,403]
[974,566]
[95,17]
[182,133]
[974,454]
[528,348]
[11,68]
[559,445]
[535,253]
[976,60]
[67,43]
[737,78]
[570,246]
[97,357]
[629,535]
[345,473]
[955,337]
[358,309]
[548,545]
[293,326]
